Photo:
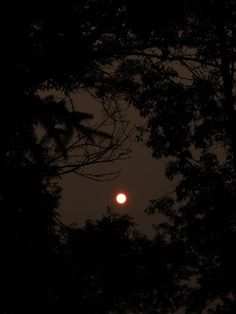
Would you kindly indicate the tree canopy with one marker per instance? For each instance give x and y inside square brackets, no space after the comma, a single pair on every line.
[175,63]
[178,70]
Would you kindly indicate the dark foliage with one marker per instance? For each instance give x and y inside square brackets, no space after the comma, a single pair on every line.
[175,63]
[180,74]
[46,47]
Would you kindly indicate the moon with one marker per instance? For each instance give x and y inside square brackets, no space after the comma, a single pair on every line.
[121,198]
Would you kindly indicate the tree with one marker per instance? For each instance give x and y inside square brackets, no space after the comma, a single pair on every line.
[179,71]
[42,139]
[112,268]
[174,63]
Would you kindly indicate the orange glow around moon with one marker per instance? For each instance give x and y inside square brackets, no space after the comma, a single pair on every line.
[121,198]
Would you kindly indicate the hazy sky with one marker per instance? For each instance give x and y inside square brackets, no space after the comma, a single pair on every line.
[142,178]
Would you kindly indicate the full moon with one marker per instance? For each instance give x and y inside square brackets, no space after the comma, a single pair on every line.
[121,198]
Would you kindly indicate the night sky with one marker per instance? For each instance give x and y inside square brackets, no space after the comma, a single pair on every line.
[142,178]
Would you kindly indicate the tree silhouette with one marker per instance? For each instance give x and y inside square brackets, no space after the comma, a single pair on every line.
[112,268]
[42,138]
[176,64]
[180,73]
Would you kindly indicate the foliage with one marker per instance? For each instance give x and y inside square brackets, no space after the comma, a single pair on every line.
[175,63]
[179,72]
[43,138]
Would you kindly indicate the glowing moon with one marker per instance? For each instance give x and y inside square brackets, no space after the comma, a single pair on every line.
[121,198]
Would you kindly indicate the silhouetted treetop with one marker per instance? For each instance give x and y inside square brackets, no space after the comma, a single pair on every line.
[175,63]
[179,72]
